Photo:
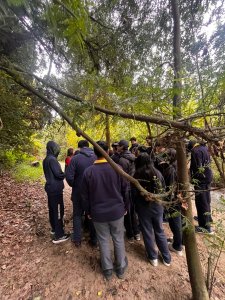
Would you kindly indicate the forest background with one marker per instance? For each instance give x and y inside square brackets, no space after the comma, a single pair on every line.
[116,55]
[113,69]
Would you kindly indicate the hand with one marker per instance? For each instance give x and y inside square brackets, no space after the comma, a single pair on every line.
[89,217]
[125,213]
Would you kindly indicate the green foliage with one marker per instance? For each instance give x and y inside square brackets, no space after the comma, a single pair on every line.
[25,172]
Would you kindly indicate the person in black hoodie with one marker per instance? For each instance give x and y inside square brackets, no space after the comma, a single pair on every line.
[168,167]
[74,176]
[201,175]
[126,161]
[54,188]
[150,213]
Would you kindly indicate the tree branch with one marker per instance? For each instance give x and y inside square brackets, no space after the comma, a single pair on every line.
[147,195]
[142,118]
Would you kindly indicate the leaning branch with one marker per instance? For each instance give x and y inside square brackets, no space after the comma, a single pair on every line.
[142,118]
[147,195]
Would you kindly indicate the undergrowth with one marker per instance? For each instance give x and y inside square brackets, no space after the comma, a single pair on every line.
[25,172]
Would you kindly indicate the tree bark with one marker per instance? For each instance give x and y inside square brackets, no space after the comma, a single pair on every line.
[199,290]
[177,87]
[107,130]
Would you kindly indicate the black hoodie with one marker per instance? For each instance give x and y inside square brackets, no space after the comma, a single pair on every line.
[53,173]
[127,162]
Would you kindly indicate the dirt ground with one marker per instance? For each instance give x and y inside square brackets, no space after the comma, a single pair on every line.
[32,267]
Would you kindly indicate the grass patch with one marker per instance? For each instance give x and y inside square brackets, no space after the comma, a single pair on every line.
[25,172]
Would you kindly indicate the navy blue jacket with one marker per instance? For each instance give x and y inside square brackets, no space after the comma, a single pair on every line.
[76,168]
[104,193]
[200,165]
[52,170]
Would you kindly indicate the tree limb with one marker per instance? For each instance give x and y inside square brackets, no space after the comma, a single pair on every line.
[147,195]
[142,118]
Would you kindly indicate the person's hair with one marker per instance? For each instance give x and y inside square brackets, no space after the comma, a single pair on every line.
[172,155]
[83,143]
[70,152]
[146,173]
[133,139]
[148,137]
[103,145]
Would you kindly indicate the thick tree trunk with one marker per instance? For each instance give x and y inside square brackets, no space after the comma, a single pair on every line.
[177,60]
[197,279]
[107,130]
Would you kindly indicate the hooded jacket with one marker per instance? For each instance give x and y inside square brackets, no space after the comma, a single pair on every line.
[76,168]
[201,172]
[53,173]
[126,161]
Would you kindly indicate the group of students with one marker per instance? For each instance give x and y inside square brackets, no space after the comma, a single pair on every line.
[111,203]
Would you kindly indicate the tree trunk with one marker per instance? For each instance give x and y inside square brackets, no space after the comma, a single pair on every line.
[197,279]
[149,129]
[177,60]
[107,130]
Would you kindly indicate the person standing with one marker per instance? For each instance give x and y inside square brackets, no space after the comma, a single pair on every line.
[168,168]
[104,198]
[134,144]
[115,156]
[126,161]
[54,188]
[201,175]
[68,157]
[151,213]
[74,176]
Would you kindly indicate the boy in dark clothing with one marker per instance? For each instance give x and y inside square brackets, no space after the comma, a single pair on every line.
[151,213]
[201,175]
[74,176]
[134,144]
[126,161]
[115,157]
[54,188]
[173,213]
[104,198]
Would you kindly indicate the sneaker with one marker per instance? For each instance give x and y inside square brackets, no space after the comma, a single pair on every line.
[153,262]
[61,239]
[203,230]
[108,274]
[178,252]
[170,240]
[165,263]
[120,272]
[137,237]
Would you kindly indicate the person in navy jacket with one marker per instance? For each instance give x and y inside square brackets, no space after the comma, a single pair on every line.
[105,199]
[201,175]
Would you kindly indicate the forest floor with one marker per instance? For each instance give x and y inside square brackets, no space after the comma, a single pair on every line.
[32,267]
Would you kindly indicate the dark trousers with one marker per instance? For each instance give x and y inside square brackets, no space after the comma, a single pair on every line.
[56,213]
[173,215]
[203,205]
[131,221]
[77,221]
[151,218]
[77,224]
